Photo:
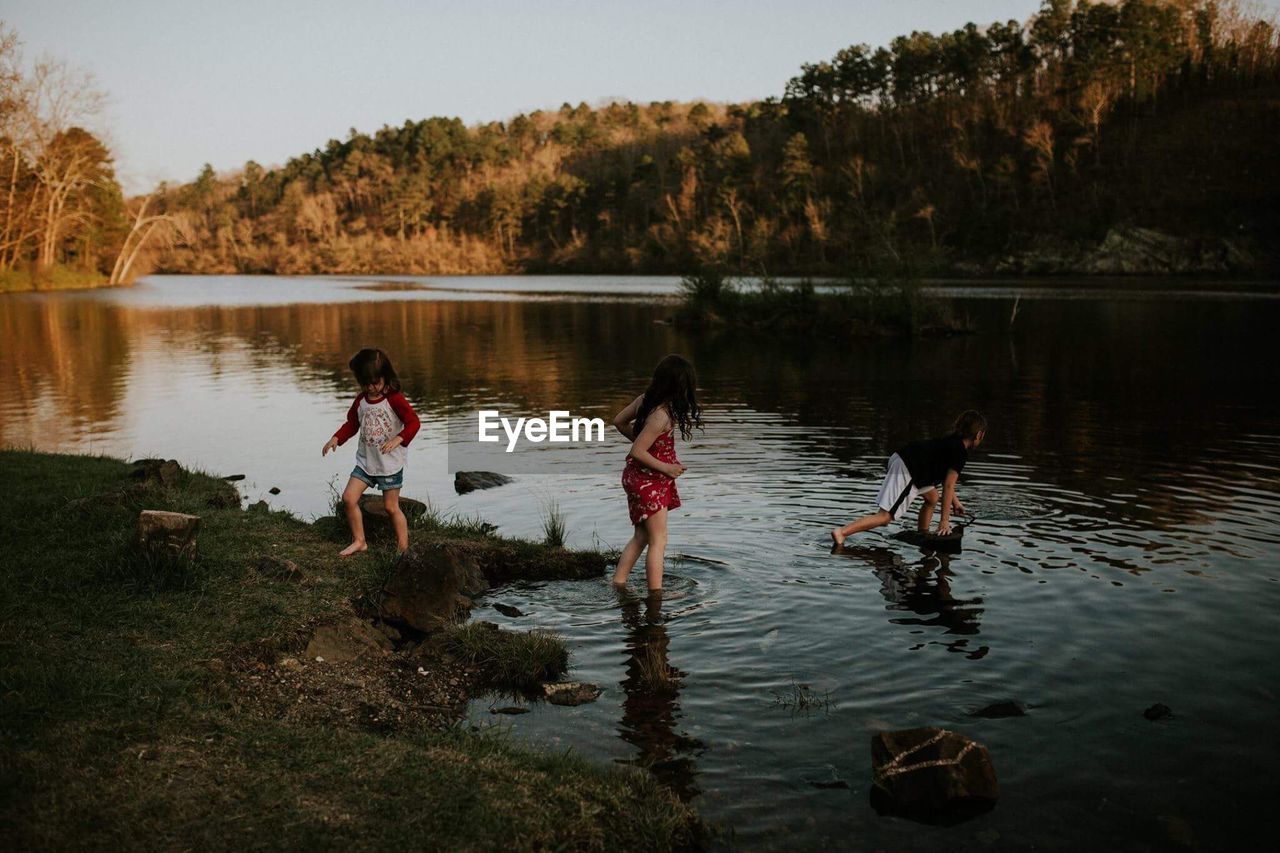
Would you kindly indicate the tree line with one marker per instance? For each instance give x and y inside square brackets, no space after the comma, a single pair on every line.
[936,148]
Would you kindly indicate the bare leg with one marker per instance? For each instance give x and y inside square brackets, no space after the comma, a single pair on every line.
[630,554]
[926,510]
[869,522]
[351,500]
[391,501]
[656,527]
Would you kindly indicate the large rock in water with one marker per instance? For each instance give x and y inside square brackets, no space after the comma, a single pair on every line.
[376,520]
[432,585]
[167,534]
[932,775]
[470,481]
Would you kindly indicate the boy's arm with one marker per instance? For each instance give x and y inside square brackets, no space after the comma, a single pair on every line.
[948,498]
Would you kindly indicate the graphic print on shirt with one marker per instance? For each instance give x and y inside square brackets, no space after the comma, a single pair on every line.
[376,426]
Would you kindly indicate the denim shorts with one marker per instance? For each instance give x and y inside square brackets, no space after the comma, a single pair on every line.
[385,483]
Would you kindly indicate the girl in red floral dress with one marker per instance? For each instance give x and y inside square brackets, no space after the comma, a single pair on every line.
[649,478]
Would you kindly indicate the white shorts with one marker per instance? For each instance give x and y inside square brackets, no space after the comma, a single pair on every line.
[897,491]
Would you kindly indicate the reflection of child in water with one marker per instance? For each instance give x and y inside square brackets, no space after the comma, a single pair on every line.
[386,423]
[917,469]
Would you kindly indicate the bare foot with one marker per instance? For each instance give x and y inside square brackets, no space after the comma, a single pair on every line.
[353,548]
[837,537]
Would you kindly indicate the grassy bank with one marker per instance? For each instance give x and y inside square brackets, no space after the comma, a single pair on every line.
[58,278]
[150,708]
[881,305]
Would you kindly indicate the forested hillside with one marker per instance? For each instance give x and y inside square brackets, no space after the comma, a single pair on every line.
[1134,136]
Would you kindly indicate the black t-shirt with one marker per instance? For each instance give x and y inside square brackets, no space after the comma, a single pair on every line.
[930,460]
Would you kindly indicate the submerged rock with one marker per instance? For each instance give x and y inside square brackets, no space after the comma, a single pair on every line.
[510,709]
[829,784]
[932,775]
[570,692]
[470,481]
[1007,708]
[508,610]
[1158,711]
[171,534]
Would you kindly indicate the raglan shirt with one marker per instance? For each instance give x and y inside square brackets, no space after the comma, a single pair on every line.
[930,460]
[376,421]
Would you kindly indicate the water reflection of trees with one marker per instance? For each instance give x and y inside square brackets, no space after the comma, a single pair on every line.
[651,709]
[923,588]
[1095,387]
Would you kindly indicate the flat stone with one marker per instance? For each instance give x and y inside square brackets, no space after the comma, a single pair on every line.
[349,640]
[279,568]
[171,533]
[508,610]
[234,478]
[931,775]
[570,692]
[470,481]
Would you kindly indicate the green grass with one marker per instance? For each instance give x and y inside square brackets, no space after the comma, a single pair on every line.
[554,526]
[117,729]
[508,660]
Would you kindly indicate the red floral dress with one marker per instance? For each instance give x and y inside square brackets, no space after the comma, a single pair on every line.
[649,491]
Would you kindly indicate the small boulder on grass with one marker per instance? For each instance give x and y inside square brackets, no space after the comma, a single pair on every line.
[932,775]
[348,640]
[431,586]
[279,568]
[171,535]
[376,520]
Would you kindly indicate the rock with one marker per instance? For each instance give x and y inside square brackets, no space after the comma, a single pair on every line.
[508,610]
[510,709]
[389,632]
[932,775]
[234,478]
[829,784]
[427,585]
[274,490]
[172,534]
[349,640]
[470,481]
[570,692]
[376,520]
[260,506]
[1158,711]
[278,568]
[224,498]
[1007,708]
[163,471]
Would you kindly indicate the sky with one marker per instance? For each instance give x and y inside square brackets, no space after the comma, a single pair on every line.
[229,81]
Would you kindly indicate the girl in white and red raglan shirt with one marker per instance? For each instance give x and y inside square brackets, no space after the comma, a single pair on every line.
[386,424]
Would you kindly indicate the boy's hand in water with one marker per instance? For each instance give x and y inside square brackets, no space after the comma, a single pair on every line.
[674,471]
[391,444]
[955,502]
[944,529]
[331,444]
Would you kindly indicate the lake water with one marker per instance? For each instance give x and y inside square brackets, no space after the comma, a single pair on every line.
[1125,551]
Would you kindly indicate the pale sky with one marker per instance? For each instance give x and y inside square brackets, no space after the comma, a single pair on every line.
[228,81]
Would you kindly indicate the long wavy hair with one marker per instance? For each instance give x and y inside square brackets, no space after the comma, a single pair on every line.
[370,365]
[674,385]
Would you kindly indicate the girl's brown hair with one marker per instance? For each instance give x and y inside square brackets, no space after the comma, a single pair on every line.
[370,365]
[673,385]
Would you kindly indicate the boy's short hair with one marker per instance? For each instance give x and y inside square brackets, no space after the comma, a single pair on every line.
[970,423]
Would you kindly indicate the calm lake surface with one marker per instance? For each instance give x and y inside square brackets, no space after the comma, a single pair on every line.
[1125,551]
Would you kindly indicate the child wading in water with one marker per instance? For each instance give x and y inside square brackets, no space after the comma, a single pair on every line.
[386,424]
[649,478]
[917,469]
